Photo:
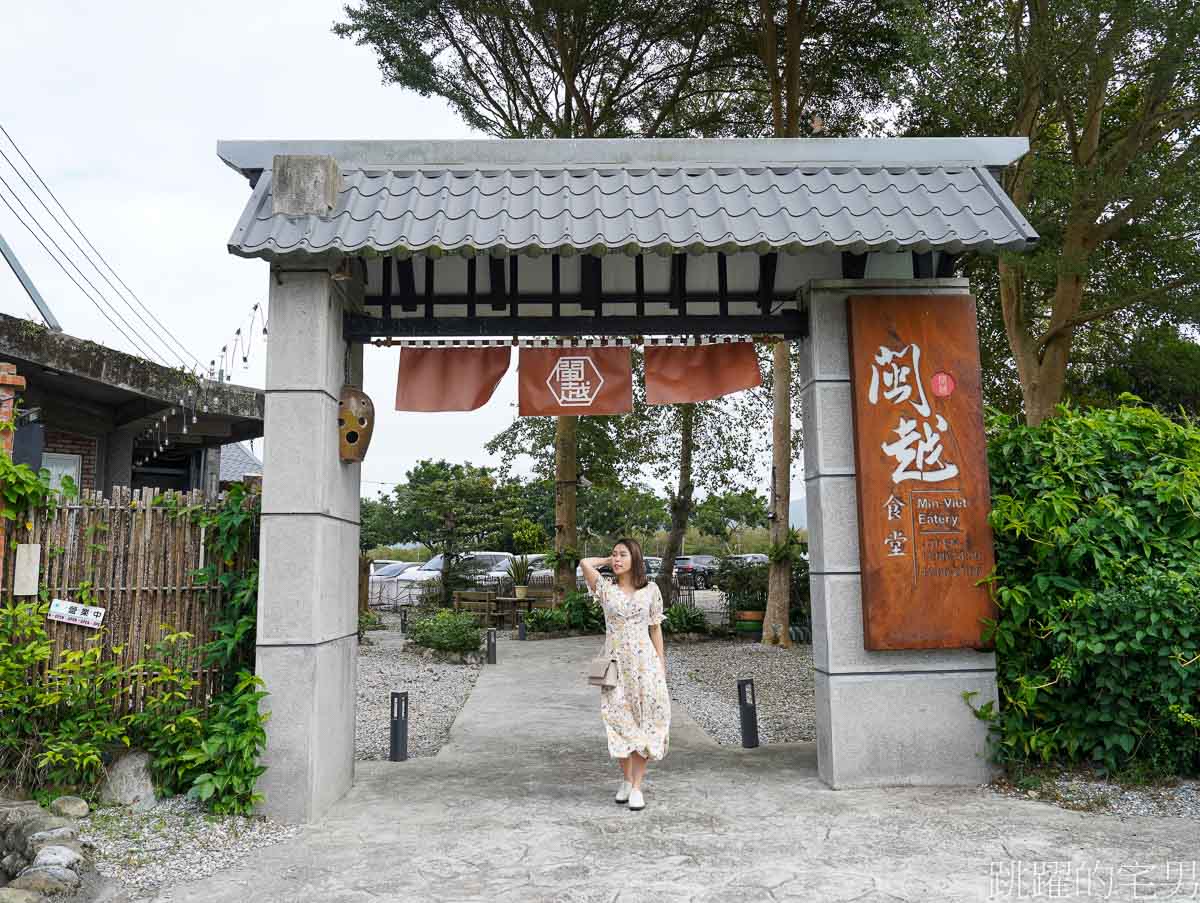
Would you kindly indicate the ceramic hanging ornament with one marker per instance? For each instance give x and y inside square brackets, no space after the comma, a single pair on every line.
[356,422]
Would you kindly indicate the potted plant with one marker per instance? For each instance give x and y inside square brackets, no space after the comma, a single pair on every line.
[746,596]
[518,570]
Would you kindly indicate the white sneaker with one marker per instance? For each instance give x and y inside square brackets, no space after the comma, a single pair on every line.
[623,792]
[635,800]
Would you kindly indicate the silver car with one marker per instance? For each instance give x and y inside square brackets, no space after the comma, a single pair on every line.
[383,585]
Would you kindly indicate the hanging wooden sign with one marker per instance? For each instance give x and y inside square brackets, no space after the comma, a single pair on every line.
[921,462]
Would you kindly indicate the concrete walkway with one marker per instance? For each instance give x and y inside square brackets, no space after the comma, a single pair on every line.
[518,807]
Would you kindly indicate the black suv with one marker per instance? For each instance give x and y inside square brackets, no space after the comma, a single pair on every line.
[702,569]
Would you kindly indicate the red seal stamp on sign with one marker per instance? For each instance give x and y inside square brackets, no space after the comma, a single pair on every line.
[942,384]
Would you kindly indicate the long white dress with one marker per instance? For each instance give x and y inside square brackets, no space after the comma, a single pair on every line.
[637,711]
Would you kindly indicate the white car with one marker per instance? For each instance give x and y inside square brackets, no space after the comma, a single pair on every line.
[488,565]
[384,581]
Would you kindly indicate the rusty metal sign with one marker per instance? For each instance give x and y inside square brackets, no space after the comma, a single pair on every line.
[921,462]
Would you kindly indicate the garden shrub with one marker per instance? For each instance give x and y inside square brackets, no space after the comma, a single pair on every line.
[1096,516]
[684,619]
[447,630]
[169,726]
[582,612]
[545,620]
[225,764]
[57,728]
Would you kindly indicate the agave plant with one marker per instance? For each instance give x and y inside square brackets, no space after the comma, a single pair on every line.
[518,570]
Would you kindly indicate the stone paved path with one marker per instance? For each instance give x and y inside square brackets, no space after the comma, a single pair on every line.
[518,807]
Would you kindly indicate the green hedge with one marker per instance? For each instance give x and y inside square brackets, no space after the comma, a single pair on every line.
[447,630]
[1096,516]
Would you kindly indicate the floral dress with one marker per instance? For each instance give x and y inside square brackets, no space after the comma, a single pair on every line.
[637,711]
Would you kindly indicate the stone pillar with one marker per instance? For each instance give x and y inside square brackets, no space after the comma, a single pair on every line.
[308,584]
[882,717]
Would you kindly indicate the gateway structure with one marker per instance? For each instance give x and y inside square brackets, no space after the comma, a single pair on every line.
[824,241]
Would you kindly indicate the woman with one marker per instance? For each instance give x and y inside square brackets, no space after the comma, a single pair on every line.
[637,711]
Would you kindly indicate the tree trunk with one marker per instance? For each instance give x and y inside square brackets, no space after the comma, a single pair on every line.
[779,585]
[1042,368]
[566,475]
[680,502]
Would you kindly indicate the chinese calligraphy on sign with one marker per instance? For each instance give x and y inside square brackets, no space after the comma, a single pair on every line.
[575,381]
[74,613]
[920,471]
[918,451]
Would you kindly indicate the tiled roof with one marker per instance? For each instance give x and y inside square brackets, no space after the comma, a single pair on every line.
[237,461]
[602,207]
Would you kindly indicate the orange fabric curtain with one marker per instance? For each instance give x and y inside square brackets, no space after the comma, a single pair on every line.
[555,381]
[681,374]
[449,379]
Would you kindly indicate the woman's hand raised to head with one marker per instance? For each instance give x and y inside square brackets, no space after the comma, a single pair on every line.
[590,566]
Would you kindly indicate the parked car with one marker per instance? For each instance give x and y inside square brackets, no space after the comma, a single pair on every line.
[750,558]
[384,583]
[377,564]
[487,565]
[700,568]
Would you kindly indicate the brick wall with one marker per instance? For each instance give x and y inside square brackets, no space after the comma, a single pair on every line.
[63,443]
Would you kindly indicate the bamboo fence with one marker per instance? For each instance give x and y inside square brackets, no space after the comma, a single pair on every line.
[137,560]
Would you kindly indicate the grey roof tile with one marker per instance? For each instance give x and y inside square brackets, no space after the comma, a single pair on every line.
[237,461]
[488,208]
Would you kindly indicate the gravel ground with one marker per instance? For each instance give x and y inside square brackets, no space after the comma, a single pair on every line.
[703,677]
[174,842]
[436,693]
[1088,793]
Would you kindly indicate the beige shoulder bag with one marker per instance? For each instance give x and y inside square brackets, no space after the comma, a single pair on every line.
[602,672]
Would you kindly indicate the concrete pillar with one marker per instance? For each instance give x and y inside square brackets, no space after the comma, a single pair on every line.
[882,717]
[307,612]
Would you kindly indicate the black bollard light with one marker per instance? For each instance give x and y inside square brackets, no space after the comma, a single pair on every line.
[404,619]
[749,714]
[399,745]
[491,646]
[520,625]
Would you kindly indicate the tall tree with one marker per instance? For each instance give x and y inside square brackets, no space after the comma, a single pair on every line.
[1108,93]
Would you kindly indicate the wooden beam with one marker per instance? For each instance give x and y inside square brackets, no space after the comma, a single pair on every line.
[946,264]
[386,274]
[639,283]
[723,284]
[767,264]
[406,284]
[514,297]
[591,281]
[359,328]
[854,266]
[471,282]
[496,278]
[430,267]
[556,284]
[678,289]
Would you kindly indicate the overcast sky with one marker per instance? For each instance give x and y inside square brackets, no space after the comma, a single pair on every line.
[120,105]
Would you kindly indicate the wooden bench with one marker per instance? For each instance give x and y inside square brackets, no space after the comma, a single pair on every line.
[480,603]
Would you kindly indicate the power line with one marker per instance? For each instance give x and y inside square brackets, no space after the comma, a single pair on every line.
[131,342]
[95,250]
[148,346]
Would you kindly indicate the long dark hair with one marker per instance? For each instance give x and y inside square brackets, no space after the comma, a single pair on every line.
[637,564]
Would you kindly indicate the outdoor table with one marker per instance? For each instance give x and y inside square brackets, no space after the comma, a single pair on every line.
[507,603]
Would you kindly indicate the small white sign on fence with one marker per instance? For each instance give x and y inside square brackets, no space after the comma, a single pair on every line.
[25,574]
[74,613]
